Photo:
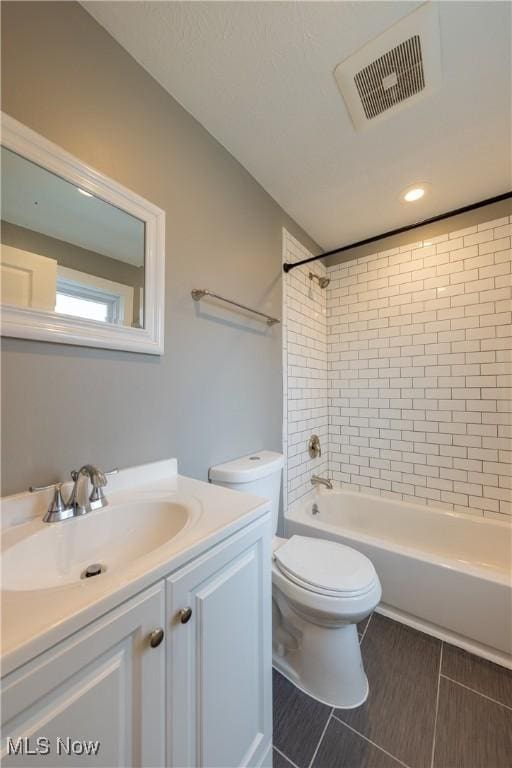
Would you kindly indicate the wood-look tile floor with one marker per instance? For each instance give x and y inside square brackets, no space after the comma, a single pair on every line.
[431,705]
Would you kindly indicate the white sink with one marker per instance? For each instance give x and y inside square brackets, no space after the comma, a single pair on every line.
[58,554]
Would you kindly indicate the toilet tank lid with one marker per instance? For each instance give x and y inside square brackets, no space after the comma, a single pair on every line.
[247,468]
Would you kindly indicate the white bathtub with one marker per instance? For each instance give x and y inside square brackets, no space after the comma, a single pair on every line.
[446,573]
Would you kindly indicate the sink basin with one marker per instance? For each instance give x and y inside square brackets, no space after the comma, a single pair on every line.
[58,554]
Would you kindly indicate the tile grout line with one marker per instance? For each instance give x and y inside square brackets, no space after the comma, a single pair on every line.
[478,693]
[285,756]
[370,741]
[321,738]
[437,705]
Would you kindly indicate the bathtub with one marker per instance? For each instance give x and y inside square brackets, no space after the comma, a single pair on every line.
[445,573]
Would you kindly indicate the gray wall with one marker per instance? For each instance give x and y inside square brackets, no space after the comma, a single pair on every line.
[216,392]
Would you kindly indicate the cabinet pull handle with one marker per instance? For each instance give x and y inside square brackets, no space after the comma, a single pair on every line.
[156,637]
[185,615]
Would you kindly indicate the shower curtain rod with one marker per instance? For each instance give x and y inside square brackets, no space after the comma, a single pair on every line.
[287,266]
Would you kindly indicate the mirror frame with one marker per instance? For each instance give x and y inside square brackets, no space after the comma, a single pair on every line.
[41,325]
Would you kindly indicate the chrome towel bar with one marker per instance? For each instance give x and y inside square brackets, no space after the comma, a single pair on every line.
[199,293]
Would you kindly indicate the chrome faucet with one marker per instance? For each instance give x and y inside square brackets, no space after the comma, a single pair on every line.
[316,480]
[97,498]
[77,504]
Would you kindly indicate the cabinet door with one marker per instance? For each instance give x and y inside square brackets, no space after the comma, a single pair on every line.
[220,660]
[104,684]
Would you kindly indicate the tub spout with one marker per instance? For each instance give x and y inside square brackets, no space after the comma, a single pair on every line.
[316,480]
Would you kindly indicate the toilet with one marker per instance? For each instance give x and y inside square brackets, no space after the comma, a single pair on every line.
[320,591]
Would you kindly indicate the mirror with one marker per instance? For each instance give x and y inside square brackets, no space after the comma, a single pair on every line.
[65,250]
[81,258]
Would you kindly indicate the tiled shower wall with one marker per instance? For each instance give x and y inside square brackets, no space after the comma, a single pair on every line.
[419,342]
[305,410]
[419,372]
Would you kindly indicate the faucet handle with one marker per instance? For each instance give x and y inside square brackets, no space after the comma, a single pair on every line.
[58,509]
[314,448]
[97,499]
[36,488]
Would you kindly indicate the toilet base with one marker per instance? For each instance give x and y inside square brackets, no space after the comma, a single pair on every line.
[285,672]
[323,661]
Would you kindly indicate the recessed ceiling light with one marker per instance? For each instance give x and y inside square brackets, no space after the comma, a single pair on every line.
[83,192]
[414,193]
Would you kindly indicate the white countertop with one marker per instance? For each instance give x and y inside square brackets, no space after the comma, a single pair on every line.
[33,621]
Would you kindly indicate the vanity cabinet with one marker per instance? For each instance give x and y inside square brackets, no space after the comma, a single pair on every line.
[200,698]
[220,655]
[105,683]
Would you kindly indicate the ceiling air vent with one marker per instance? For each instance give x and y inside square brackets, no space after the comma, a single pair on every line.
[392,78]
[395,69]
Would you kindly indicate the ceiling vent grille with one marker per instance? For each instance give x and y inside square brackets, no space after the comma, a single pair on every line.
[393,70]
[392,78]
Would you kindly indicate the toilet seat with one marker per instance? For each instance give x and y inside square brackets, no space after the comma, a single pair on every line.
[325,567]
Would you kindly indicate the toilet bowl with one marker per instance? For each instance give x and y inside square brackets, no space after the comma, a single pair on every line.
[320,591]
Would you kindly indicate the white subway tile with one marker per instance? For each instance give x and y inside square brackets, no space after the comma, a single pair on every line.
[480,237]
[414,348]
[495,270]
[495,245]
[493,224]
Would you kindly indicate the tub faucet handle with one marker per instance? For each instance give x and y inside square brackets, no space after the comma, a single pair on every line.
[315,451]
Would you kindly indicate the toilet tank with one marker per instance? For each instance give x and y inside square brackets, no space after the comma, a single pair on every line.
[258,473]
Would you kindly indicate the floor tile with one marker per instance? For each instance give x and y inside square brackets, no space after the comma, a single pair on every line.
[299,721]
[279,760]
[481,675]
[472,732]
[342,748]
[399,715]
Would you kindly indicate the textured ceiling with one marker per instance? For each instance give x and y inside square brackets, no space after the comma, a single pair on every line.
[259,77]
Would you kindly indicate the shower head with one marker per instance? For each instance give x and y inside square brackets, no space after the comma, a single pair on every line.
[323,282]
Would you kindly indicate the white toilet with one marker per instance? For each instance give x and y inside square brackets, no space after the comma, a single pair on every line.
[320,590]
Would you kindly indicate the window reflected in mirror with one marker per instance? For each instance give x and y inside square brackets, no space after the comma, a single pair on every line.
[64,250]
